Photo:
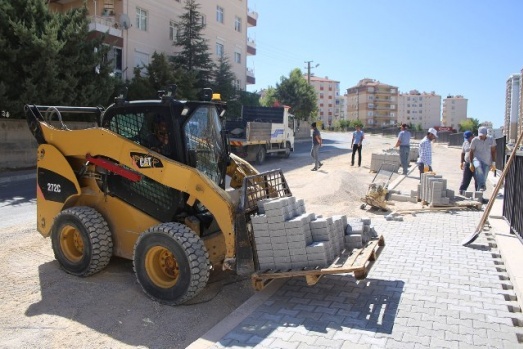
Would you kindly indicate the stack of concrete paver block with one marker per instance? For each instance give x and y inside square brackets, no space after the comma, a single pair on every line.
[385,157]
[358,232]
[433,189]
[287,237]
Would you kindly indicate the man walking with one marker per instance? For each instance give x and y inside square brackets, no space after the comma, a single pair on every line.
[316,144]
[357,140]
[404,144]
[482,156]
[465,163]
[425,151]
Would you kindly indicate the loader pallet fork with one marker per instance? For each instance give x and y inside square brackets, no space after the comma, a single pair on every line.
[359,261]
[265,185]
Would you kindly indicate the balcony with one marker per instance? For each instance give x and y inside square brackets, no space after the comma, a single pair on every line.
[252,18]
[251,47]
[105,24]
[250,78]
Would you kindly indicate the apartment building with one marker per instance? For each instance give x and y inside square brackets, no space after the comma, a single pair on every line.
[328,92]
[454,111]
[138,28]
[513,107]
[419,109]
[373,103]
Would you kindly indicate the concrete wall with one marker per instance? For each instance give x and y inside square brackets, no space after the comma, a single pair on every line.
[18,146]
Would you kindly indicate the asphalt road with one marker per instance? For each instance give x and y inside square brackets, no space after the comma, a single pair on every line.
[17,202]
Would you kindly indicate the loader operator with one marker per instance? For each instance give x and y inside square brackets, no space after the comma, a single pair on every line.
[159,139]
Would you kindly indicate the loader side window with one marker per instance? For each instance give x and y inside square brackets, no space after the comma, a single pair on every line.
[127,125]
[150,127]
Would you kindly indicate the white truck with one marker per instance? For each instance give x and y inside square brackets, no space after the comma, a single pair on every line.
[262,131]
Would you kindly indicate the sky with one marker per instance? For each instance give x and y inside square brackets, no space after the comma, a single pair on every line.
[451,47]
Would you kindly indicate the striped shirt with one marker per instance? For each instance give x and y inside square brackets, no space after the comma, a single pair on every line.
[425,151]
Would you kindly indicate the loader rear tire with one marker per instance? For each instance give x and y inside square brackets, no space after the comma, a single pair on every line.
[82,242]
[171,263]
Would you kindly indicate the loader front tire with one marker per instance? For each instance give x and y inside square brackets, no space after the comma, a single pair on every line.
[82,242]
[171,263]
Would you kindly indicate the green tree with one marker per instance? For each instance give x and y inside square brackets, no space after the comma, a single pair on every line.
[194,56]
[469,124]
[47,58]
[224,80]
[234,107]
[295,92]
[356,122]
[269,97]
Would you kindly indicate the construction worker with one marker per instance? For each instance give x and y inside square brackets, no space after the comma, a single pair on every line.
[425,151]
[483,157]
[316,144]
[404,144]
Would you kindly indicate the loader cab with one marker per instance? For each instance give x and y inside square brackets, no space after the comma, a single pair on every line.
[186,132]
[189,132]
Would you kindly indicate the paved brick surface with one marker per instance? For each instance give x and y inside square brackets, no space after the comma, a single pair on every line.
[424,291]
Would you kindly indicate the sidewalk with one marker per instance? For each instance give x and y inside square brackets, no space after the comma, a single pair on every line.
[424,291]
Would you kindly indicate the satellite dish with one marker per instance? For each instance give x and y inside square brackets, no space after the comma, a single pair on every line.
[125,22]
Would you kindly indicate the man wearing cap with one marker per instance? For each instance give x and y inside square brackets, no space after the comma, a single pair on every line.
[465,163]
[483,157]
[404,144]
[425,151]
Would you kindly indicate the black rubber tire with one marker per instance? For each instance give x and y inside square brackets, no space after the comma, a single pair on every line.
[260,155]
[171,263]
[287,151]
[82,242]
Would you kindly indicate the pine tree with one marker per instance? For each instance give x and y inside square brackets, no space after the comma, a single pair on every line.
[47,58]
[224,79]
[194,56]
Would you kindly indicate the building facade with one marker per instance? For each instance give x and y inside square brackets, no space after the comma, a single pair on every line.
[419,109]
[454,111]
[138,28]
[512,108]
[373,103]
[328,92]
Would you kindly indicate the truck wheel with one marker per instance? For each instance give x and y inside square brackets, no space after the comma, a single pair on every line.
[260,156]
[82,242]
[287,151]
[171,263]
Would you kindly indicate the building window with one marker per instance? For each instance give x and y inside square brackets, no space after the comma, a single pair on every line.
[172,30]
[219,49]
[141,19]
[204,20]
[219,14]
[238,57]
[238,84]
[238,24]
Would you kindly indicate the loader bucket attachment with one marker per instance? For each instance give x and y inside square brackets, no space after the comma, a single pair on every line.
[266,185]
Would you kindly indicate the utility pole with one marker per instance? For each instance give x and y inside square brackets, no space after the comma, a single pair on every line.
[309,70]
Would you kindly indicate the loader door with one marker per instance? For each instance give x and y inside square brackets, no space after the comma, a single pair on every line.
[204,143]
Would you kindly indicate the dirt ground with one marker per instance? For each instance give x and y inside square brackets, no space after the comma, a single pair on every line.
[43,307]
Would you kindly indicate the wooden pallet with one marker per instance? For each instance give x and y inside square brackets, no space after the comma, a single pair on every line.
[358,262]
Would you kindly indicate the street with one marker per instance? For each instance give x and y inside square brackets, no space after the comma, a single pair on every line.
[17,202]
